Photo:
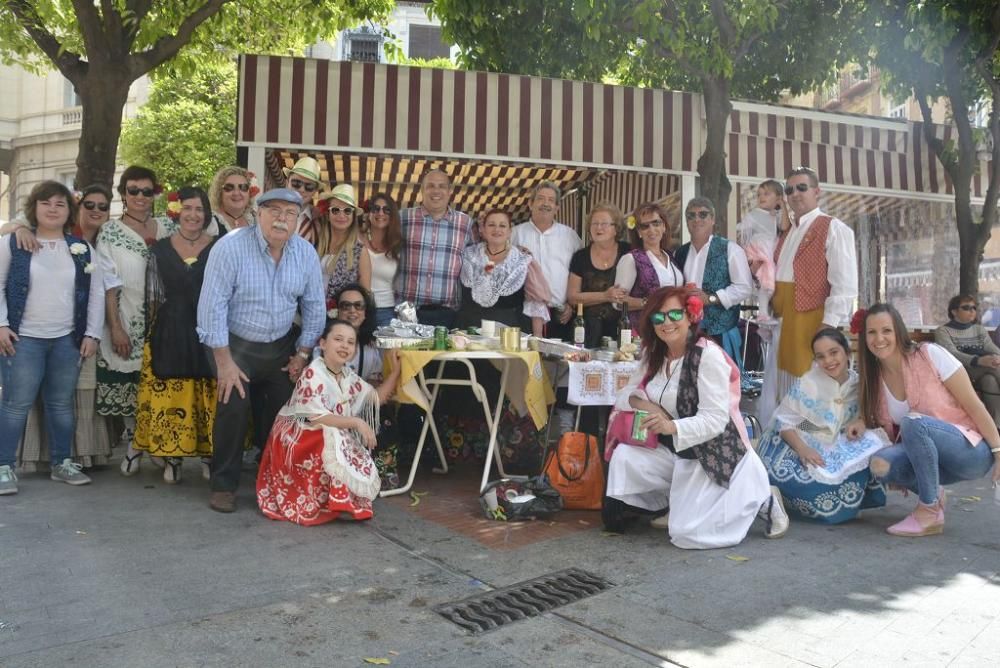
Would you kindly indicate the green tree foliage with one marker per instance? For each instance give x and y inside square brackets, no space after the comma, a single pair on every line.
[949,48]
[102,47]
[720,48]
[187,130]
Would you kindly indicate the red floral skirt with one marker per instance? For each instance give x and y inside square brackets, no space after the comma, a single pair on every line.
[294,485]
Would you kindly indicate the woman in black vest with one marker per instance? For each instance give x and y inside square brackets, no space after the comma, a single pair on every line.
[50,320]
[702,470]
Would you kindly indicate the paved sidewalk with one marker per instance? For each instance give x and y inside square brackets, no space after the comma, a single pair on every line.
[133,572]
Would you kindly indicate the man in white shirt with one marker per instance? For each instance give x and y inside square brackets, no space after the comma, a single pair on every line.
[552,244]
[720,268]
[816,278]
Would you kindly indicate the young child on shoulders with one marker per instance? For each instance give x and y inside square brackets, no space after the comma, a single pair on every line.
[758,234]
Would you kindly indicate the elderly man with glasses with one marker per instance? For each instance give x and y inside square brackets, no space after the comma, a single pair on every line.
[816,277]
[256,279]
[720,268]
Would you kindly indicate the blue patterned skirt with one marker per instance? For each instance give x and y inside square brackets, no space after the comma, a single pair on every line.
[808,498]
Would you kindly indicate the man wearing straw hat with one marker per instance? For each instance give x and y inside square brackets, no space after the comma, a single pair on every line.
[304,178]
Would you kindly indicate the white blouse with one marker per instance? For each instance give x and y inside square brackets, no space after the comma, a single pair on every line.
[713,397]
[48,310]
[383,274]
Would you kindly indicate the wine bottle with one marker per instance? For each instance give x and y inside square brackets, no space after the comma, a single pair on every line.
[624,328]
[579,328]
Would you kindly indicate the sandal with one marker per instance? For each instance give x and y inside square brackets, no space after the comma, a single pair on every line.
[130,464]
[172,470]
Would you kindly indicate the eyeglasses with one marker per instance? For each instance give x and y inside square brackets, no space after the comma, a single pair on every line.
[336,211]
[344,306]
[703,214]
[145,192]
[281,214]
[230,187]
[653,223]
[660,317]
[302,185]
[801,187]
[601,224]
[90,205]
[380,209]
[969,307]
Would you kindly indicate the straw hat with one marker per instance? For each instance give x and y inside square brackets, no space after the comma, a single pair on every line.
[344,192]
[306,167]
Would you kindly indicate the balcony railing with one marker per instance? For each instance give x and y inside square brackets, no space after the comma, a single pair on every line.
[848,83]
[72,117]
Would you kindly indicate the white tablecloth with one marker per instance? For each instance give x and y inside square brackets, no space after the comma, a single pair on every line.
[597,383]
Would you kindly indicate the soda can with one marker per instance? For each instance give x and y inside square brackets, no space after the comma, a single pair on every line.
[440,338]
[639,432]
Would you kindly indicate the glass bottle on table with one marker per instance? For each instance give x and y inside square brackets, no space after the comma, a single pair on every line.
[624,328]
[579,328]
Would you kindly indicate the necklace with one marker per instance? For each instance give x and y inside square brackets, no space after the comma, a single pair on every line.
[375,247]
[495,253]
[606,261]
[190,241]
[143,223]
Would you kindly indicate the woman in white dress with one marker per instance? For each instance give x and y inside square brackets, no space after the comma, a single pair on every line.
[702,470]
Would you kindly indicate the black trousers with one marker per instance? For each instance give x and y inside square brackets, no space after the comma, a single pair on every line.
[268,390]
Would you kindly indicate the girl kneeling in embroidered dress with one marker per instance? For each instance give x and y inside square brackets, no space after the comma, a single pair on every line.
[702,469]
[317,466]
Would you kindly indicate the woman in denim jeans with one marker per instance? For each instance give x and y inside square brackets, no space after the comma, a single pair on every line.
[50,320]
[922,397]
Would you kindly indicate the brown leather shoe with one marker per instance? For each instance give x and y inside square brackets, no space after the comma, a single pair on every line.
[222,502]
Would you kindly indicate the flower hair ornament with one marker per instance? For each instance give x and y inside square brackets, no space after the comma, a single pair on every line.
[254,188]
[858,321]
[173,208]
[630,222]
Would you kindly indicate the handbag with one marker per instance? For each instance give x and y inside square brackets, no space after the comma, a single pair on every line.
[574,468]
[620,431]
[510,500]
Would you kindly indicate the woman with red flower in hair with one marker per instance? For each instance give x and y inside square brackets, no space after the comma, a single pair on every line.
[698,473]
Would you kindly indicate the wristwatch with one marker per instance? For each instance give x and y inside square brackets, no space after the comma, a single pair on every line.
[713,299]
[303,354]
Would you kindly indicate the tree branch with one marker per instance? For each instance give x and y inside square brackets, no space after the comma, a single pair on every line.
[727,32]
[138,9]
[114,30]
[94,41]
[70,64]
[932,140]
[167,46]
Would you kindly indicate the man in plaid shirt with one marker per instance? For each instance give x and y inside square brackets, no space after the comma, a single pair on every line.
[430,263]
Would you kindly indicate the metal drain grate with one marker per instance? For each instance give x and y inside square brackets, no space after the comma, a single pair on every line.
[493,609]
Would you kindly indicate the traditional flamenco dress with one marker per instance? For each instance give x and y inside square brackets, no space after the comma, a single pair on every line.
[312,474]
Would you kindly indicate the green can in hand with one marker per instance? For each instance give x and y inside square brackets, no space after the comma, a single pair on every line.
[639,433]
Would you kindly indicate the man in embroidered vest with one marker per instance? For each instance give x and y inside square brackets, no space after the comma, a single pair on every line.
[552,244]
[816,277]
[720,268]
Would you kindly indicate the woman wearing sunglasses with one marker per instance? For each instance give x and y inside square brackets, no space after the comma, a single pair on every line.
[341,251]
[231,196]
[647,266]
[356,306]
[921,396]
[92,441]
[126,241]
[965,337]
[384,239]
[701,475]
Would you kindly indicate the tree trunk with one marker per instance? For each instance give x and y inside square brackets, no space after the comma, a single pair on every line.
[712,163]
[103,95]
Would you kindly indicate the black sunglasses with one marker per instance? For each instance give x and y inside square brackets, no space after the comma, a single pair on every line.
[801,187]
[969,307]
[90,205]
[691,215]
[230,187]
[660,317]
[380,209]
[336,211]
[302,185]
[357,306]
[145,192]
[653,223]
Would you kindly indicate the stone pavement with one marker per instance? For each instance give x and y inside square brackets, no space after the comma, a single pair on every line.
[132,572]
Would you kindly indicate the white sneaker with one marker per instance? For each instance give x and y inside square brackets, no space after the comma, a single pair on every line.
[70,473]
[8,480]
[773,513]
